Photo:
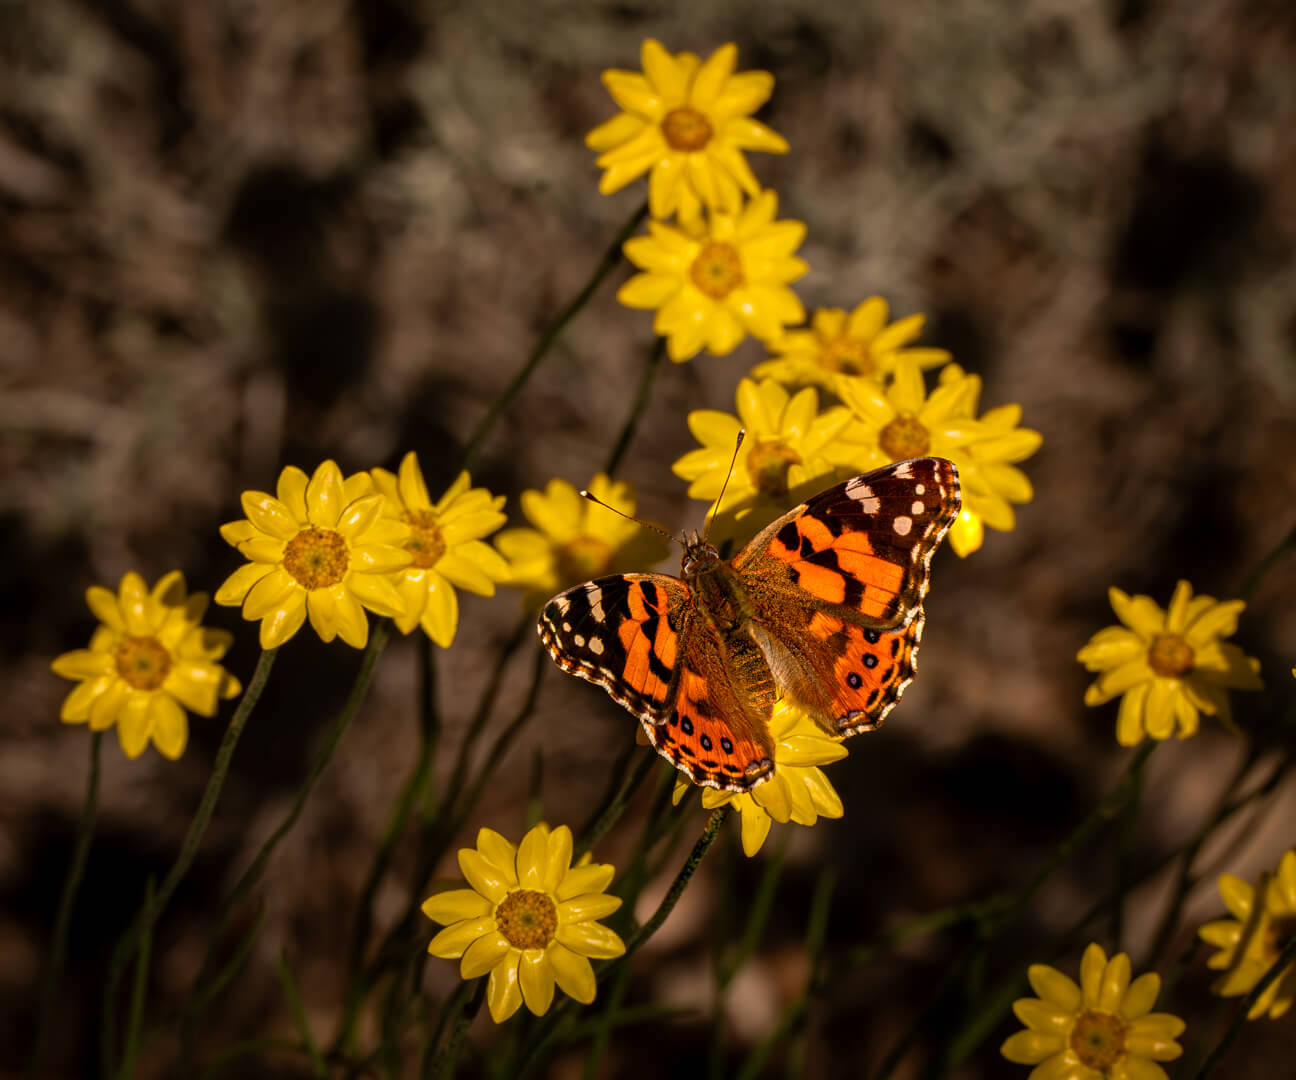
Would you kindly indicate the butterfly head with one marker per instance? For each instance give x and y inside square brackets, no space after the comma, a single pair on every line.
[699,555]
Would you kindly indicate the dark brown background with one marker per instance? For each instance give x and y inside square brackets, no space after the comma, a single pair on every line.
[238,235]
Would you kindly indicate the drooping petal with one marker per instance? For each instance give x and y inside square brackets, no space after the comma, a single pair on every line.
[503,992]
[536,979]
[483,954]
[573,972]
[456,905]
[451,942]
[591,939]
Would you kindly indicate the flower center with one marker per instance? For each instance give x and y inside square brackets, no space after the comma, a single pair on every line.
[528,919]
[1170,656]
[426,543]
[142,662]
[686,129]
[1098,1039]
[716,270]
[768,464]
[904,437]
[316,558]
[584,557]
[848,356]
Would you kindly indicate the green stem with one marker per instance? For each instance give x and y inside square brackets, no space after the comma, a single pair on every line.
[152,910]
[298,1011]
[138,991]
[642,394]
[610,261]
[1285,958]
[378,638]
[1283,547]
[443,1063]
[615,807]
[67,902]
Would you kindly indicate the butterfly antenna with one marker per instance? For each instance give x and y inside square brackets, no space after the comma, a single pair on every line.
[742,434]
[621,513]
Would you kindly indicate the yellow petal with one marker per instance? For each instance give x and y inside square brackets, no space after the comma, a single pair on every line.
[133,728]
[587,907]
[291,490]
[1054,987]
[456,905]
[574,973]
[590,939]
[531,857]
[451,942]
[1238,896]
[1043,1016]
[536,978]
[108,706]
[269,515]
[756,824]
[1140,613]
[324,499]
[352,625]
[483,875]
[1031,1047]
[281,624]
[1141,996]
[236,587]
[1130,725]
[168,726]
[503,994]
[1115,981]
[1160,712]
[1093,966]
[483,954]
[580,880]
[500,853]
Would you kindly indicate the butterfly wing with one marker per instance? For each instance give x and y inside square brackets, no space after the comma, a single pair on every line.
[635,635]
[850,566]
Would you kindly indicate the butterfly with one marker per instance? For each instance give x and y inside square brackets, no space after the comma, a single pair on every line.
[823,607]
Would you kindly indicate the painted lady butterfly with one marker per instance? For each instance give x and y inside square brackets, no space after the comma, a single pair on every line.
[824,606]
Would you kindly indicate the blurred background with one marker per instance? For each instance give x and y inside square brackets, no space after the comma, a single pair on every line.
[243,234]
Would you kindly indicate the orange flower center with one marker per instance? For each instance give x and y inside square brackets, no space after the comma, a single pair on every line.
[716,270]
[426,543]
[686,129]
[1170,656]
[528,919]
[768,464]
[142,662]
[848,356]
[904,437]
[1098,1039]
[584,557]
[316,558]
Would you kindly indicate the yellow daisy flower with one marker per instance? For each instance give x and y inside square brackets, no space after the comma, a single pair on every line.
[575,540]
[1167,666]
[445,542]
[902,421]
[1103,1029]
[688,122]
[148,661]
[1250,943]
[861,343]
[798,791]
[529,919]
[785,456]
[715,283]
[323,550]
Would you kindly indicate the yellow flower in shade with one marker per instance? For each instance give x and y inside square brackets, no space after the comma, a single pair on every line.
[445,542]
[688,122]
[902,421]
[323,550]
[1168,666]
[1250,943]
[861,343]
[575,540]
[1103,1029]
[713,284]
[149,660]
[529,919]
[798,791]
[785,456]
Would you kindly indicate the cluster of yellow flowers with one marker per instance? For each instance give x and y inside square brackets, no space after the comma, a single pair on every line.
[844,395]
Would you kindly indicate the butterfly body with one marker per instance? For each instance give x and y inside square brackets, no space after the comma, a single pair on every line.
[823,607]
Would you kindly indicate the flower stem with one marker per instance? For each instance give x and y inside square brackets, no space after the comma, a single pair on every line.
[378,639]
[442,1064]
[646,380]
[67,901]
[616,805]
[1285,958]
[610,261]
[153,907]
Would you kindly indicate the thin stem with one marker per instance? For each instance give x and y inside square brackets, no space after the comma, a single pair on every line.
[66,904]
[138,991]
[152,909]
[616,806]
[443,1063]
[1244,1008]
[610,261]
[680,883]
[646,379]
[298,1011]
[1281,549]
[378,638]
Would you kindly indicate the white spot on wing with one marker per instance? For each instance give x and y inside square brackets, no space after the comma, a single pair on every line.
[919,507]
[904,470]
[595,596]
[902,526]
[580,640]
[596,646]
[920,489]
[566,628]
